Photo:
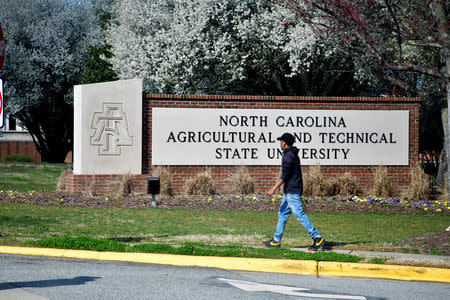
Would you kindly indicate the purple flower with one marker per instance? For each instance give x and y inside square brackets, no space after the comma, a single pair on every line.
[97,202]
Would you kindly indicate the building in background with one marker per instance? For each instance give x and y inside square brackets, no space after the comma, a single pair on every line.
[14,139]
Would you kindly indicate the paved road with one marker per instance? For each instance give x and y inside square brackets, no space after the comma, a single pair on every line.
[39,278]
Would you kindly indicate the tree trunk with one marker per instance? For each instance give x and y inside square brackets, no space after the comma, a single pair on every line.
[443,165]
[439,12]
[447,141]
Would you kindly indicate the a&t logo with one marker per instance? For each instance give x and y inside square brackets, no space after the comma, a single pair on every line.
[111,130]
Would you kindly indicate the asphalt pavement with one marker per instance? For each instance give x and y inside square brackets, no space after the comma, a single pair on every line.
[414,267]
[24,277]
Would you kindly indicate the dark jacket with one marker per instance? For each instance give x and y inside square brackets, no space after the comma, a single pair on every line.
[291,173]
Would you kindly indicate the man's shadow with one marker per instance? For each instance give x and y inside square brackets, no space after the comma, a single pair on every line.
[329,245]
[79,280]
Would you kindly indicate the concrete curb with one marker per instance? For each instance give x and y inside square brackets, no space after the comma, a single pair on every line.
[251,264]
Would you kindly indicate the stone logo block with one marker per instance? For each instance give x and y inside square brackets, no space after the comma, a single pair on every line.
[108,128]
[111,130]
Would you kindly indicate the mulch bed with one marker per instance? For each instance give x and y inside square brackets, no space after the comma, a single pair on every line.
[217,202]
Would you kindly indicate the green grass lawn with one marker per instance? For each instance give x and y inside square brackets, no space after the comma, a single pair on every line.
[24,177]
[20,223]
[24,225]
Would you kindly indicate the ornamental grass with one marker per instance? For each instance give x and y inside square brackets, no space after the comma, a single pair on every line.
[201,184]
[314,182]
[165,178]
[382,186]
[419,189]
[241,183]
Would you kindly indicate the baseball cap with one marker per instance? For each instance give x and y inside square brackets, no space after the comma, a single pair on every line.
[288,138]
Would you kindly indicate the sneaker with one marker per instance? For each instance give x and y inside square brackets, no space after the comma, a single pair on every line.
[271,244]
[318,245]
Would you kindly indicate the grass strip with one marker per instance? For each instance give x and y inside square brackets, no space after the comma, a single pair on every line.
[26,177]
[188,248]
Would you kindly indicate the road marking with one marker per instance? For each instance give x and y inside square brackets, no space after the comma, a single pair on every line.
[282,289]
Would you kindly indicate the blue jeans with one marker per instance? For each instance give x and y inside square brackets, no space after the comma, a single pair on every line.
[292,203]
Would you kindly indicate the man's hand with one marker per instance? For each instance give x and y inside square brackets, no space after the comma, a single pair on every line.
[274,188]
[270,192]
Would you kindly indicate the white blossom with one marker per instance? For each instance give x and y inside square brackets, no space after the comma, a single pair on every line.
[197,46]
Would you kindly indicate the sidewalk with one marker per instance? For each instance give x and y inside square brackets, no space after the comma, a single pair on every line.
[398,272]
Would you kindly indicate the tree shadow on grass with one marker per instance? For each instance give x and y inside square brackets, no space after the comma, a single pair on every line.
[79,280]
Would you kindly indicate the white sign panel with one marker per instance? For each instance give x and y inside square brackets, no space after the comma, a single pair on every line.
[249,136]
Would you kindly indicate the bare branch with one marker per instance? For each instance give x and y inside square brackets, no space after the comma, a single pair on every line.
[418,69]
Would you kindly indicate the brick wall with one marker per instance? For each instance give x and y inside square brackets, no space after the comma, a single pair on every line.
[265,176]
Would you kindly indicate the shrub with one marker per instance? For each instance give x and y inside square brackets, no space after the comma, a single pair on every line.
[241,183]
[165,179]
[201,184]
[18,158]
[419,188]
[382,186]
[314,183]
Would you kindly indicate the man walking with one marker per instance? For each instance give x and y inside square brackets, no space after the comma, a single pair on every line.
[291,176]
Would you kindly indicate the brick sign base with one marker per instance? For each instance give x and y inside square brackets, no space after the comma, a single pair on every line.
[265,176]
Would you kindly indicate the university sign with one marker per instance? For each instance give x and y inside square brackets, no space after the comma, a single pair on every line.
[119,130]
[248,136]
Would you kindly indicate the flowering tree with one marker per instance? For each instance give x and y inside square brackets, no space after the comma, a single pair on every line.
[46,43]
[208,46]
[404,43]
